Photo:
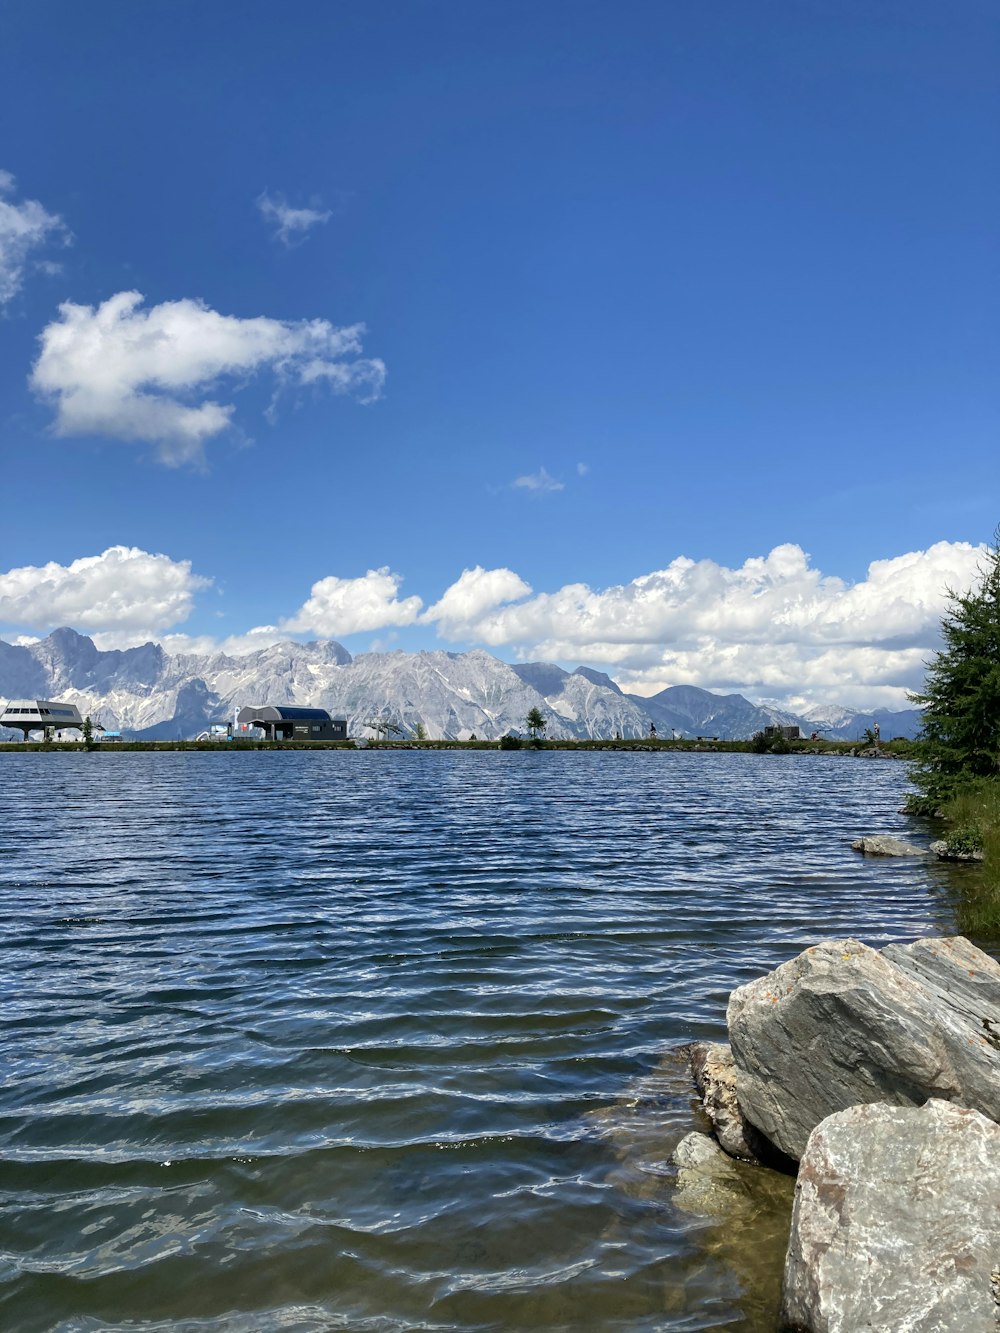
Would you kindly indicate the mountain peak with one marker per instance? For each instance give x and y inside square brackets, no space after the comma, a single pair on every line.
[65,635]
[597,678]
[545,677]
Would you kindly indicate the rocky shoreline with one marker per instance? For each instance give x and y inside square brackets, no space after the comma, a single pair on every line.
[874,1077]
[881,844]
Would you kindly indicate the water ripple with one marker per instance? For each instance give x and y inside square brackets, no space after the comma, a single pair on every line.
[381,1041]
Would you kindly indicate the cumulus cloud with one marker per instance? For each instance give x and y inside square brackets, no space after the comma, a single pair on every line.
[124,589]
[775,625]
[473,593]
[290,224]
[24,228]
[338,607]
[145,374]
[537,483]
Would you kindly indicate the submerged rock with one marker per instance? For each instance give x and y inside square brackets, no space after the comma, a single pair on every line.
[896,1223]
[880,844]
[741,1215]
[842,1024]
[708,1180]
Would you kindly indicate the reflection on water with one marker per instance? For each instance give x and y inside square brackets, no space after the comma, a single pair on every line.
[384,1042]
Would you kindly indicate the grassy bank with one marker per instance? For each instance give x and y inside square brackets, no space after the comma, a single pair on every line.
[972,823]
[19,747]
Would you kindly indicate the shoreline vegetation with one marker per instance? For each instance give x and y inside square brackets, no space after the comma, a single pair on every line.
[970,822]
[957,773]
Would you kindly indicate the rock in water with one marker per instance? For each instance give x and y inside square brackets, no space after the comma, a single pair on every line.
[715,1078]
[880,844]
[842,1024]
[708,1181]
[896,1223]
[944,852]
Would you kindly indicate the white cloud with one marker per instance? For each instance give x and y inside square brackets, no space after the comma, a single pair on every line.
[778,598]
[24,228]
[383,643]
[338,607]
[582,469]
[204,645]
[776,625]
[143,374]
[473,593]
[124,589]
[291,224]
[538,483]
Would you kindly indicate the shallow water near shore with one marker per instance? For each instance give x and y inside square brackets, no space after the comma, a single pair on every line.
[387,1041]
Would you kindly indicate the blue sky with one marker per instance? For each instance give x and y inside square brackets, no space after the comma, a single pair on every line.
[711,282]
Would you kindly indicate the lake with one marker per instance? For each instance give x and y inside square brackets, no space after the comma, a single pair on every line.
[388,1041]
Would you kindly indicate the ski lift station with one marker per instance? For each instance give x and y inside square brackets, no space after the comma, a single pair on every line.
[289,722]
[26,715]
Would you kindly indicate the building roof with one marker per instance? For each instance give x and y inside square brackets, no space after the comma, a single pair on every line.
[284,713]
[49,712]
[292,713]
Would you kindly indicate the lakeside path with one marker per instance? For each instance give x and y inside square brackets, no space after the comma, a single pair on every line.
[849,749]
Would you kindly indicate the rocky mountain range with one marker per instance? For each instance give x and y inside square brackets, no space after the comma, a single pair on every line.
[147,693]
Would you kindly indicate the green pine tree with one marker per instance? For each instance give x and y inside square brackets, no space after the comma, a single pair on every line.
[960,740]
[535,722]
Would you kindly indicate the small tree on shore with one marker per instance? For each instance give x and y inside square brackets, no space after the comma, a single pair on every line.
[960,739]
[88,732]
[535,722]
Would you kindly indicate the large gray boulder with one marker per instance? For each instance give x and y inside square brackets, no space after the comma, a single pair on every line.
[896,1223]
[959,976]
[842,1024]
